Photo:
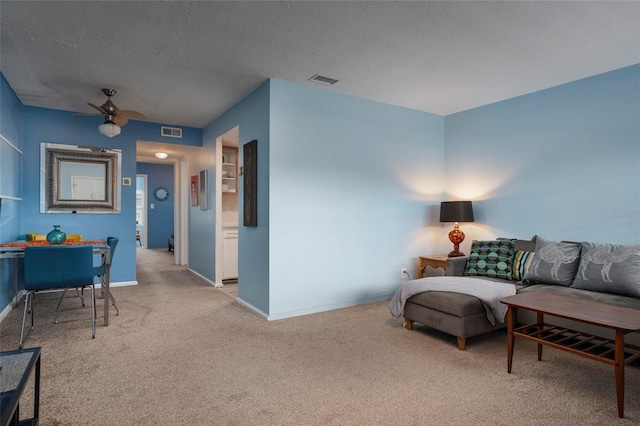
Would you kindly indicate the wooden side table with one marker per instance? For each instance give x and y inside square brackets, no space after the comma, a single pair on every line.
[435,261]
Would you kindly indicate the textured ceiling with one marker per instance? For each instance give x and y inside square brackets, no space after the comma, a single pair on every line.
[185,63]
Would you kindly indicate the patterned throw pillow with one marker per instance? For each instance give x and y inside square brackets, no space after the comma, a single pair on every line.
[554,262]
[521,263]
[609,268]
[492,258]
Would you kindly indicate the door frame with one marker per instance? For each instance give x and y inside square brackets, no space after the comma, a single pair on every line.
[145,210]
[218,209]
[218,213]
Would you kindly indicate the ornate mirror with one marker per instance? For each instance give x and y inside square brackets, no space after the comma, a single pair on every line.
[77,179]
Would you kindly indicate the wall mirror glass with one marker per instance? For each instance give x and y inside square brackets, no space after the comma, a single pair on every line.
[79,179]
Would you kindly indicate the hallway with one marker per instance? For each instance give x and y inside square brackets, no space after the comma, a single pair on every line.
[151,262]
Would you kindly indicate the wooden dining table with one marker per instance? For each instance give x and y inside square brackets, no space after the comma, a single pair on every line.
[15,250]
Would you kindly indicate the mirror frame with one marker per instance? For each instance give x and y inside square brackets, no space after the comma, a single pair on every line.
[51,157]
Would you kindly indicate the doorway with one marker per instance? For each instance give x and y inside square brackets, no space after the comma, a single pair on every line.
[178,157]
[227,193]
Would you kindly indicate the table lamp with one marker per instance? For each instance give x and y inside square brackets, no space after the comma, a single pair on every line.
[456,211]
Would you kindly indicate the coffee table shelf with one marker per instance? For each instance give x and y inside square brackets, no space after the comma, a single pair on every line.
[579,343]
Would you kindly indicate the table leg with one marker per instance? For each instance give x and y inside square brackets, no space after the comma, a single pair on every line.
[510,327]
[14,277]
[36,396]
[619,359]
[107,284]
[540,320]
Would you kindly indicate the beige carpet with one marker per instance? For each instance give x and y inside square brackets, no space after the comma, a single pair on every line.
[184,353]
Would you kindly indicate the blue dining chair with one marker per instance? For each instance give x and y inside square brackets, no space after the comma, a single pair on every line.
[56,268]
[98,271]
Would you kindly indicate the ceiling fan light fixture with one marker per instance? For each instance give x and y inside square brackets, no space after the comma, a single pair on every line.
[109,129]
[162,155]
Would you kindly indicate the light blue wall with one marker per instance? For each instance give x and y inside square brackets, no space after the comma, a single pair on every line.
[351,184]
[346,190]
[563,163]
[252,116]
[10,180]
[160,218]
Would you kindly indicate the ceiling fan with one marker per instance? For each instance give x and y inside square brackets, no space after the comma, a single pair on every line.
[112,113]
[114,117]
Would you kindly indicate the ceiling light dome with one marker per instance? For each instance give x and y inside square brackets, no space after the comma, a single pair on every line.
[109,129]
[162,155]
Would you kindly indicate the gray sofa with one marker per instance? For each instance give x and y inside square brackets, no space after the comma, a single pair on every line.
[583,275]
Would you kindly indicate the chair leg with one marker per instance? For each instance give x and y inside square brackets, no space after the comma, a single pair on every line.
[93,311]
[113,300]
[27,307]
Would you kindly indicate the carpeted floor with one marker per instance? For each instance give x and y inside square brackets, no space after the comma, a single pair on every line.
[182,352]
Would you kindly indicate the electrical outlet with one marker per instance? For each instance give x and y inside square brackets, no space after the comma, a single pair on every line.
[403,272]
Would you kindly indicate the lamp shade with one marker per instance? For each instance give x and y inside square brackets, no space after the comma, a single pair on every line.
[109,129]
[456,211]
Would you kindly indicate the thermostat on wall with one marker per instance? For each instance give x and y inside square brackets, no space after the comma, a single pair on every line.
[126,181]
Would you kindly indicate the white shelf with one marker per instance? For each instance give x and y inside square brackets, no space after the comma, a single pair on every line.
[230,169]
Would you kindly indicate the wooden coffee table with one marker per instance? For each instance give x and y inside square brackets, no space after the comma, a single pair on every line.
[621,320]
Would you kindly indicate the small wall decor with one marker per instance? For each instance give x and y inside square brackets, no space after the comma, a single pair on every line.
[204,205]
[160,193]
[194,190]
[250,168]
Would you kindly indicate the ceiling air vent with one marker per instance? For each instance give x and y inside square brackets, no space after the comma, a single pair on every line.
[323,80]
[171,132]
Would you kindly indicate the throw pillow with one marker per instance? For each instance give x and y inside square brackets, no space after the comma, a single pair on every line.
[609,268]
[492,258]
[521,263]
[554,262]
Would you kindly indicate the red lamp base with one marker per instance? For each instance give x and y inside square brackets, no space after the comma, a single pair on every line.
[456,236]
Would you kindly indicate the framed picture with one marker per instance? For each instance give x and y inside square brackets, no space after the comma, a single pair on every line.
[203,190]
[194,190]
[250,168]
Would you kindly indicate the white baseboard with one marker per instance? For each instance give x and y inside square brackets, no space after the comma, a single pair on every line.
[5,312]
[252,308]
[329,307]
[9,307]
[217,285]
[119,284]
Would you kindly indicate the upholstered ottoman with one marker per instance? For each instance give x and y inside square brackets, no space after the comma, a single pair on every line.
[456,314]
[460,315]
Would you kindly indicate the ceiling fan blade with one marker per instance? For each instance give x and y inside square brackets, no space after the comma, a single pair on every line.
[120,120]
[102,111]
[132,114]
